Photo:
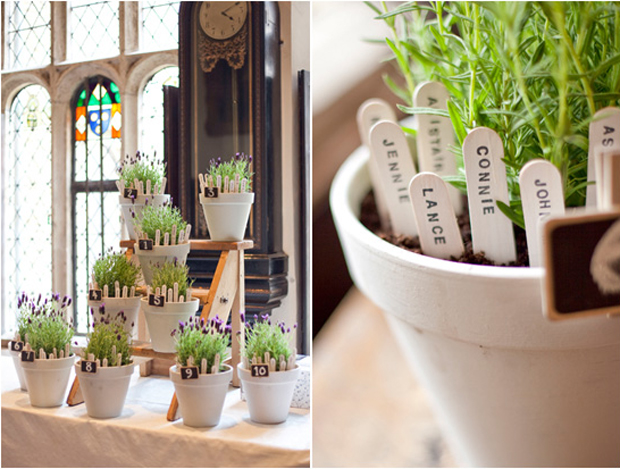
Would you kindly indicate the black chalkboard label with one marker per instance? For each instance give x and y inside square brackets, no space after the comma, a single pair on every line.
[211,192]
[145,244]
[129,193]
[189,372]
[17,346]
[89,366]
[27,356]
[94,295]
[260,371]
[582,264]
[157,300]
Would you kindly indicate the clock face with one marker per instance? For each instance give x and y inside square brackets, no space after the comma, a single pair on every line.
[222,20]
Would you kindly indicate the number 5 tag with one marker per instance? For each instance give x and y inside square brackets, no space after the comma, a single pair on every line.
[189,372]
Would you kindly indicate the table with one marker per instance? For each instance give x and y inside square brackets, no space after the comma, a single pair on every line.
[141,436]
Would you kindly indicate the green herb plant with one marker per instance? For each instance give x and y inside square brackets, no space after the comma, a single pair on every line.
[240,165]
[109,338]
[43,323]
[161,218]
[170,273]
[535,72]
[201,340]
[142,168]
[115,267]
[263,336]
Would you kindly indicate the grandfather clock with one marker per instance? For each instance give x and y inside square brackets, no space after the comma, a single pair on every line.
[229,102]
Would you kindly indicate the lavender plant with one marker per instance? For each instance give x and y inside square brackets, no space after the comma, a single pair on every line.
[170,273]
[240,165]
[535,72]
[142,168]
[108,340]
[263,336]
[115,267]
[161,218]
[201,340]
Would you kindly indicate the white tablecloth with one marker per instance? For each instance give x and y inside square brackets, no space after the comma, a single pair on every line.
[141,436]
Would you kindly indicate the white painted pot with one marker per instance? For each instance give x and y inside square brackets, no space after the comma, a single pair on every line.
[509,387]
[269,398]
[105,390]
[201,400]
[127,206]
[159,255]
[130,306]
[227,215]
[18,369]
[47,380]
[161,321]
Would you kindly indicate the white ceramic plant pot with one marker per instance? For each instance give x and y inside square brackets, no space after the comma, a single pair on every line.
[227,215]
[161,321]
[130,306]
[509,387]
[127,206]
[159,255]
[269,398]
[19,370]
[105,390]
[201,400]
[47,380]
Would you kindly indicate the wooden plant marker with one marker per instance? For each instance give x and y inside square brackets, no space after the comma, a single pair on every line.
[542,196]
[395,167]
[226,293]
[435,136]
[369,113]
[611,181]
[604,136]
[491,230]
[437,227]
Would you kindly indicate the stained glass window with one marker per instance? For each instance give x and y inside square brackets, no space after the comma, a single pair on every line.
[94,28]
[96,155]
[27,194]
[28,34]
[160,25]
[152,111]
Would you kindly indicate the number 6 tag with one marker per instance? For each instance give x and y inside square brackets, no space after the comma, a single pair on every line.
[260,371]
[17,346]
[89,366]
[189,372]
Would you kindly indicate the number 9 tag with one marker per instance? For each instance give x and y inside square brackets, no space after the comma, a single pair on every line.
[189,372]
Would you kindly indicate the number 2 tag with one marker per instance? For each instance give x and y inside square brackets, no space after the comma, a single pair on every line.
[260,371]
[28,356]
[211,192]
[128,193]
[189,372]
[17,346]
[89,366]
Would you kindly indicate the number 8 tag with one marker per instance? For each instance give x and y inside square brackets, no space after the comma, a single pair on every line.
[89,366]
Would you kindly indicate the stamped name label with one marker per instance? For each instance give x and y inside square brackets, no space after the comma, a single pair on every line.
[211,192]
[88,366]
[28,355]
[435,136]
[491,230]
[129,193]
[94,295]
[437,227]
[17,346]
[395,169]
[189,372]
[145,244]
[604,136]
[542,196]
[260,370]
[157,300]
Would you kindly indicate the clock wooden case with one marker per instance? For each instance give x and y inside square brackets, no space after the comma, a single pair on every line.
[229,101]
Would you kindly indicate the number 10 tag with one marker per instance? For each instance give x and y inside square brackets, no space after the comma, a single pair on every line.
[260,371]
[189,372]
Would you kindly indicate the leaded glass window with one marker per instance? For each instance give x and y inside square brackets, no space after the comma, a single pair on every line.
[27,198]
[160,25]
[96,155]
[152,111]
[94,29]
[28,34]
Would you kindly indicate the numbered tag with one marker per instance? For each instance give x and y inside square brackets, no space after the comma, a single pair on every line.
[189,372]
[211,192]
[89,366]
[130,193]
[157,300]
[94,295]
[145,244]
[17,346]
[260,371]
[27,355]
